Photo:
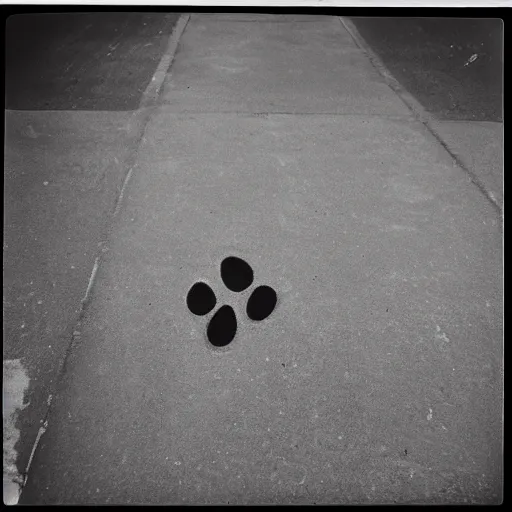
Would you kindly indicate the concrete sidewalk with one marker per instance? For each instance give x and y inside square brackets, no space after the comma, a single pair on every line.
[63,173]
[378,376]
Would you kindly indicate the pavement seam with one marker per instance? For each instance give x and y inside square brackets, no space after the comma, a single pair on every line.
[40,433]
[149,96]
[268,113]
[416,108]
[93,273]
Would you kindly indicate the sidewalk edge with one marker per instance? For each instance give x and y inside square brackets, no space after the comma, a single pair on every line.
[148,99]
[150,95]
[416,108]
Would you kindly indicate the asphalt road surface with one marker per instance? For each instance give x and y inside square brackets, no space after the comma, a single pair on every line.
[82,61]
[453,66]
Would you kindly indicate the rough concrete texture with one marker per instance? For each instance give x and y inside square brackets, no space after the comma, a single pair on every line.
[63,172]
[268,66]
[480,146]
[15,384]
[378,377]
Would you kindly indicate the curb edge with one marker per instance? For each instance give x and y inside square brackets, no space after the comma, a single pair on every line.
[152,90]
[416,108]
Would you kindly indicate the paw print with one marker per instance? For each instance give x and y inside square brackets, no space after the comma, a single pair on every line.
[237,275]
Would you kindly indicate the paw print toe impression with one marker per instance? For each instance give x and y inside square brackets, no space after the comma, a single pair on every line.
[222,327]
[237,275]
[261,303]
[201,299]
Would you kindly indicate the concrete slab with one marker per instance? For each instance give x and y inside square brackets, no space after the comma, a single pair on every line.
[62,174]
[480,146]
[290,67]
[378,377]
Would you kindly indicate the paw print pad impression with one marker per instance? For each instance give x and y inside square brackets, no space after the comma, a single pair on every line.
[237,275]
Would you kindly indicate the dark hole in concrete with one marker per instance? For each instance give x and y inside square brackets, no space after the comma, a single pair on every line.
[261,303]
[236,274]
[222,327]
[201,299]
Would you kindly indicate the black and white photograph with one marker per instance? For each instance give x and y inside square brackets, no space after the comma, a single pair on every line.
[253,253]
